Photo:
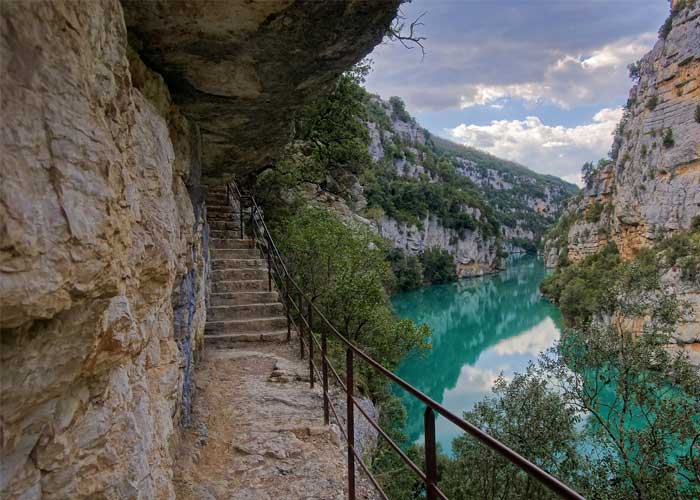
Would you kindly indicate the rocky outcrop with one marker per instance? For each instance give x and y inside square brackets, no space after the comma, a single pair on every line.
[242,69]
[652,188]
[473,254]
[104,254]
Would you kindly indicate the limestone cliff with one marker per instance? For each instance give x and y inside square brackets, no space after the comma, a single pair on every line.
[652,186]
[104,253]
[650,189]
[509,205]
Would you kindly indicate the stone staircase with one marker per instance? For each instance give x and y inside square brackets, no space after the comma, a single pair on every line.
[241,307]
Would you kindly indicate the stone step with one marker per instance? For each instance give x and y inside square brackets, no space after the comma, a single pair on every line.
[231,243]
[227,218]
[221,264]
[238,274]
[236,253]
[219,327]
[239,298]
[217,198]
[245,311]
[227,340]
[216,225]
[225,233]
[221,208]
[240,286]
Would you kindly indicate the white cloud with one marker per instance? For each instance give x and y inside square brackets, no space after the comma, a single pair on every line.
[545,148]
[570,80]
[533,341]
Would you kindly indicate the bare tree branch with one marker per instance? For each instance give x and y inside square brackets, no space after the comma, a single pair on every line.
[397,31]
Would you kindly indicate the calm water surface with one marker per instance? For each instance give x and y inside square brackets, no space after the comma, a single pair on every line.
[482,327]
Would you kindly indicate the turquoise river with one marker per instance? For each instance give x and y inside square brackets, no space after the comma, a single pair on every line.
[482,327]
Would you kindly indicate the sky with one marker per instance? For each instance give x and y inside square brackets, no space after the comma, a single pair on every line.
[540,82]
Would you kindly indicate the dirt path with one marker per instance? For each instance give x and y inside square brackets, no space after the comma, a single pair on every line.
[257,431]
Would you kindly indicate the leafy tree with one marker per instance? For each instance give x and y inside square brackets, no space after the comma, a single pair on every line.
[330,143]
[343,269]
[583,290]
[535,422]
[438,265]
[407,269]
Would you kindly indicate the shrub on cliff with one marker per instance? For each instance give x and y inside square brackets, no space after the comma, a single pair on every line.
[438,265]
[583,290]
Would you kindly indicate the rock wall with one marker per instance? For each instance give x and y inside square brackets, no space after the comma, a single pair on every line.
[102,283]
[473,254]
[103,243]
[652,188]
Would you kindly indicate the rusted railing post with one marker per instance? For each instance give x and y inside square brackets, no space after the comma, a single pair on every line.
[430,453]
[350,421]
[301,325]
[269,265]
[288,300]
[309,317]
[324,372]
[240,212]
[252,226]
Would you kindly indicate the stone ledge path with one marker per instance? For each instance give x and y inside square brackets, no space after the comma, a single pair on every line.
[257,428]
[257,431]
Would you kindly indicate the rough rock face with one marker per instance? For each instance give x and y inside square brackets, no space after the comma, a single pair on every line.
[474,255]
[653,186]
[103,260]
[241,69]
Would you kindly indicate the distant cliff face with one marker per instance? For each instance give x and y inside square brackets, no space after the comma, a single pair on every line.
[508,205]
[652,187]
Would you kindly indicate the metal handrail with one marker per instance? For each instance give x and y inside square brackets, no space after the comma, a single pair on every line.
[429,477]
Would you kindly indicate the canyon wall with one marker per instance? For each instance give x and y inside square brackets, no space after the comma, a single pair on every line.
[522,202]
[652,186]
[104,258]
[650,189]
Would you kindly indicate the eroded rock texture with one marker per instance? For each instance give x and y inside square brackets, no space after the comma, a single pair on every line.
[241,69]
[103,258]
[103,244]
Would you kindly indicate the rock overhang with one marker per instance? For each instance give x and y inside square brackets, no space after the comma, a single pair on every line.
[240,70]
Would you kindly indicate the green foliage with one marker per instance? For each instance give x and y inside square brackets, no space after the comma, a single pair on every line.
[635,70]
[682,250]
[330,143]
[594,212]
[438,265]
[666,27]
[652,102]
[344,270]
[530,418]
[398,110]
[583,290]
[410,200]
[641,402]
[668,140]
[604,388]
[407,269]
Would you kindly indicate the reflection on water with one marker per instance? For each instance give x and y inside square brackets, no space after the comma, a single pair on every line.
[481,327]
